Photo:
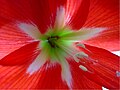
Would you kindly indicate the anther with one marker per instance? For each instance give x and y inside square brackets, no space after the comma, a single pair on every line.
[75,58]
[83,68]
[81,45]
[79,55]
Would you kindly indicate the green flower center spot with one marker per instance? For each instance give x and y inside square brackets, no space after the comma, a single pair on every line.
[54,45]
[52,41]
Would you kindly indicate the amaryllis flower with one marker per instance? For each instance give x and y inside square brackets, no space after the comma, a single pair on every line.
[59,44]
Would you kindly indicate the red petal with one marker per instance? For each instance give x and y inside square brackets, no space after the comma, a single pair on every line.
[51,79]
[15,10]
[21,55]
[15,78]
[45,12]
[80,81]
[104,13]
[41,13]
[76,13]
[48,77]
[11,38]
[103,66]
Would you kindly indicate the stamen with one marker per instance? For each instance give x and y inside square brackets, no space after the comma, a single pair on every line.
[80,55]
[81,45]
[91,61]
[83,68]
[76,59]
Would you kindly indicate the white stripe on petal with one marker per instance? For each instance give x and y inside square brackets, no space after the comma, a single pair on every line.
[37,63]
[31,30]
[60,17]
[66,73]
[83,34]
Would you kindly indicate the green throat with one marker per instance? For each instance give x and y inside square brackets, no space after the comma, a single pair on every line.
[55,44]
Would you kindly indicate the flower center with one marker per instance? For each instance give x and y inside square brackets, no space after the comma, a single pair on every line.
[55,44]
[52,41]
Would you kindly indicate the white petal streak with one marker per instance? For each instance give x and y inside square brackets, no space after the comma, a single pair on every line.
[66,73]
[60,17]
[31,30]
[84,34]
[37,63]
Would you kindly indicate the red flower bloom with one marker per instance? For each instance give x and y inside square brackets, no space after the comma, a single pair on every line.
[59,44]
